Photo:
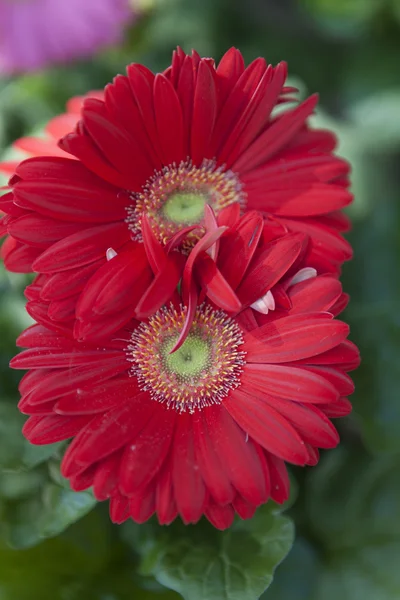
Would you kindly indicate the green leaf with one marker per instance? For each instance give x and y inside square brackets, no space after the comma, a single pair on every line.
[360,528]
[201,563]
[11,439]
[57,568]
[372,279]
[295,578]
[371,574]
[44,515]
[16,453]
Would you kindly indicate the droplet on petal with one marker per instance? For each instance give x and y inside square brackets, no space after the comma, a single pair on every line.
[110,253]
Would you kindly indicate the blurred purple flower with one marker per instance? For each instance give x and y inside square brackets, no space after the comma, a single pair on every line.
[36,33]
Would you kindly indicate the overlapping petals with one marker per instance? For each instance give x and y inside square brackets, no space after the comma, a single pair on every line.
[186,240]
[224,459]
[64,214]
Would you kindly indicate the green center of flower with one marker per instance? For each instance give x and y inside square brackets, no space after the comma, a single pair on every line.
[185,207]
[204,369]
[175,197]
[190,360]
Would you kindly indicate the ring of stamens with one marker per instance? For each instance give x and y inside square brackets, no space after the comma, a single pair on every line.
[175,197]
[204,369]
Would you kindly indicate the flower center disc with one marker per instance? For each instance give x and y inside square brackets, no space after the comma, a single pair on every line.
[201,372]
[192,358]
[175,198]
[185,207]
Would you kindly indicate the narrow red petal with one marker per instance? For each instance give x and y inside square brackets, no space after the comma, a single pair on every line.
[189,489]
[266,426]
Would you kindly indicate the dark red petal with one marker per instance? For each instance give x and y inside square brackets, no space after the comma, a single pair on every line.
[280,483]
[326,242]
[110,431]
[142,505]
[82,248]
[39,312]
[189,489]
[341,408]
[50,358]
[64,189]
[294,338]
[211,466]
[256,114]
[40,231]
[243,508]
[18,257]
[266,426]
[68,283]
[57,384]
[204,114]
[117,283]
[276,136]
[119,508]
[236,102]
[186,95]
[80,145]
[160,291]
[216,286]
[49,429]
[340,380]
[309,421]
[143,459]
[105,482]
[155,252]
[230,68]
[97,399]
[83,480]
[119,148]
[292,383]
[238,455]
[269,267]
[318,293]
[240,242]
[121,104]
[220,516]
[345,356]
[165,501]
[141,81]
[169,121]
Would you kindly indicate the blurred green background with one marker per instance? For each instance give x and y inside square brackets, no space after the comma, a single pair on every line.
[54,544]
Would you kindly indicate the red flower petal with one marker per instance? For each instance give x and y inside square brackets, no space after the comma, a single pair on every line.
[189,489]
[82,248]
[266,426]
[292,383]
[238,455]
[211,466]
[294,338]
[143,459]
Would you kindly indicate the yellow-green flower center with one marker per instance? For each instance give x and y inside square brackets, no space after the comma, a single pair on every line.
[185,207]
[176,197]
[192,358]
[201,372]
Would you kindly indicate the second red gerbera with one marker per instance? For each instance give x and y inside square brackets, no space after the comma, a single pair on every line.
[159,149]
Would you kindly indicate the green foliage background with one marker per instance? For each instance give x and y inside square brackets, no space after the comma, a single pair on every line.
[56,544]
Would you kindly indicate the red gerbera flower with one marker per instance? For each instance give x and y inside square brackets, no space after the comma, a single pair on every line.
[151,156]
[204,430]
